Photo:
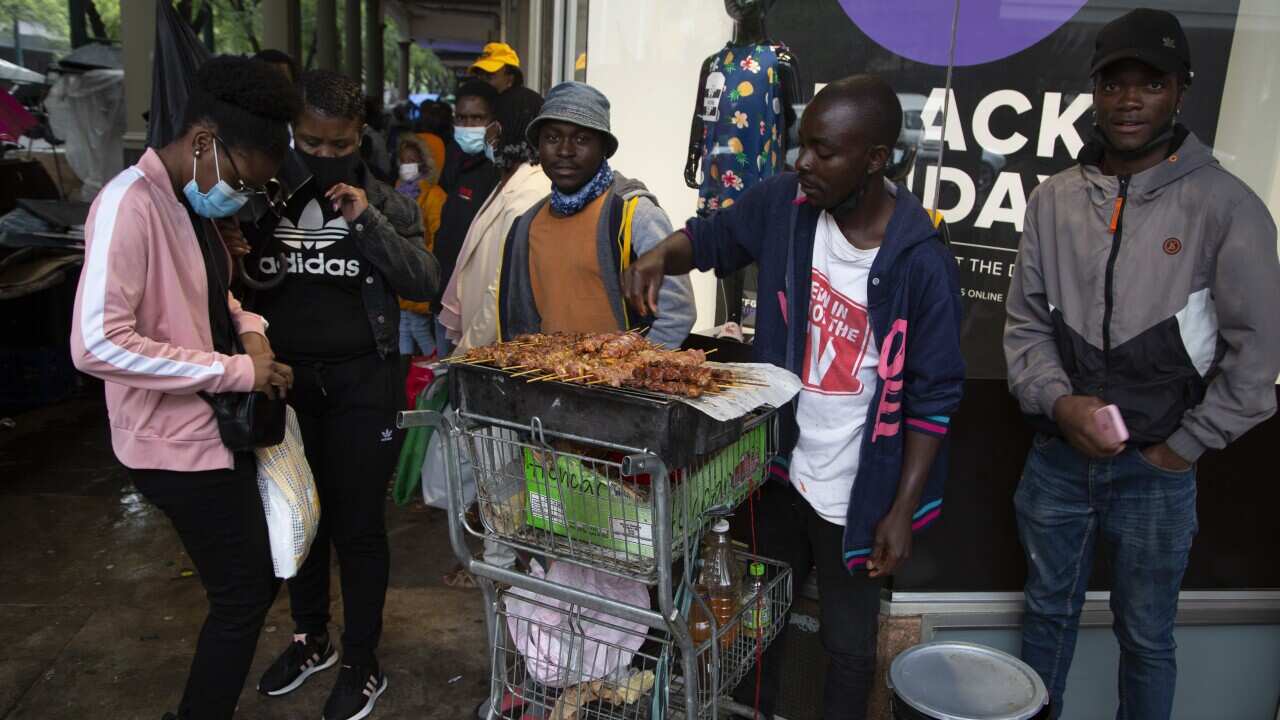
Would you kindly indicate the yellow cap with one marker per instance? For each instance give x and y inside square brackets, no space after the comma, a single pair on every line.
[495,56]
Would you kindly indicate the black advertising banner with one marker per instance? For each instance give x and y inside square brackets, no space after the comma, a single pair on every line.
[1020,109]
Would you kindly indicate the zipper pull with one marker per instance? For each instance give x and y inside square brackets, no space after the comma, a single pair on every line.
[320,380]
[1119,206]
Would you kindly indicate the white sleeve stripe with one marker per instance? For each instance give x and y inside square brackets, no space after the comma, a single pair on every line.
[93,301]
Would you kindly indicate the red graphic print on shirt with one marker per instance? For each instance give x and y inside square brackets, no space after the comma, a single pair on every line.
[838,336]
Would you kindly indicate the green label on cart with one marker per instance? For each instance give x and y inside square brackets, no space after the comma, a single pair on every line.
[570,498]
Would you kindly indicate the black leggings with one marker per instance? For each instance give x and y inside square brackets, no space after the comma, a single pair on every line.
[347,414]
[218,515]
[788,529]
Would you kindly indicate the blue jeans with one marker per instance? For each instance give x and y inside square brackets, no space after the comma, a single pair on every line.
[443,344]
[418,334]
[1146,517]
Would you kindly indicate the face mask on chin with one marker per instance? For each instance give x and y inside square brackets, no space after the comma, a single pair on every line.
[850,203]
[1164,135]
[219,201]
[408,171]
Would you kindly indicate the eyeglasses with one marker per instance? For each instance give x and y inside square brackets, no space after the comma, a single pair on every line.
[271,194]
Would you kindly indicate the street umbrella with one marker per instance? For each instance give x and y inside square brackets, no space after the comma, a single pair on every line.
[178,55]
[18,74]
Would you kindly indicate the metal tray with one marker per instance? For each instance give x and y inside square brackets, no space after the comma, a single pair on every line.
[642,421]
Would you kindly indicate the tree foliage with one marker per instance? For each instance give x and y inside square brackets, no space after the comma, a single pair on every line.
[51,14]
[426,72]
[237,29]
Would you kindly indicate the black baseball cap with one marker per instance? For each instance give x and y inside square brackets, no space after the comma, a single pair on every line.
[1154,37]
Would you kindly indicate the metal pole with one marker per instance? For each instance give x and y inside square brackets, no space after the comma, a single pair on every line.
[327,34]
[352,48]
[79,33]
[533,75]
[570,39]
[402,81]
[17,41]
[557,42]
[374,65]
[946,110]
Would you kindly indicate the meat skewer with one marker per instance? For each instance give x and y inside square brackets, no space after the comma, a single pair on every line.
[616,359]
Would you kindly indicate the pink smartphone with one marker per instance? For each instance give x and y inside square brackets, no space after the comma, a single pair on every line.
[1110,424]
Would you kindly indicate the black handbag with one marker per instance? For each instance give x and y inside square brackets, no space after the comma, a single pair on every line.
[246,420]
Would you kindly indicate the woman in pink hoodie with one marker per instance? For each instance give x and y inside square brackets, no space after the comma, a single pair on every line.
[154,321]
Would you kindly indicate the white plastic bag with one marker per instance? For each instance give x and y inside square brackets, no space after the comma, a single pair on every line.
[289,499]
[87,111]
[435,483]
[560,644]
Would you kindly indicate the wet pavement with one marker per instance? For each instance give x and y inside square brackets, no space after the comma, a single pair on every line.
[99,605]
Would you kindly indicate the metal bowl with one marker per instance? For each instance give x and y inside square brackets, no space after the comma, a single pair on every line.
[965,681]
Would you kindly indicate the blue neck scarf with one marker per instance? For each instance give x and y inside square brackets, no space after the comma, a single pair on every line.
[566,205]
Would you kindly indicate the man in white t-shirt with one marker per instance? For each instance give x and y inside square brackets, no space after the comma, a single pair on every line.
[860,298]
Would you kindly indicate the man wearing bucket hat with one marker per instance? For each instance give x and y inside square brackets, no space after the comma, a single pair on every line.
[1147,282]
[498,65]
[564,259]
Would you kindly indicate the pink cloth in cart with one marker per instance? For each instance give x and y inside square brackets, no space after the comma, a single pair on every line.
[561,645]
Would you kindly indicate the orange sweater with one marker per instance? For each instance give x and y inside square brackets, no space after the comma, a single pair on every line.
[431,199]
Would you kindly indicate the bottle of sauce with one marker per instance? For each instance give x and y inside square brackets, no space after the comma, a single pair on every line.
[758,615]
[722,581]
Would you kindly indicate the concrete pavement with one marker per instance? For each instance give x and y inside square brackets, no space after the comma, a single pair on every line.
[99,605]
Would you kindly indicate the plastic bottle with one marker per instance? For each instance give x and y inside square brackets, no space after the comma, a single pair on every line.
[758,615]
[699,621]
[722,580]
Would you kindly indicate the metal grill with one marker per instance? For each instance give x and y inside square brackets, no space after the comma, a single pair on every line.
[577,500]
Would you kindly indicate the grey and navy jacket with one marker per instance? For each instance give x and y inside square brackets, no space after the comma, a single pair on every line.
[1159,292]
[517,311]
[388,234]
[913,295]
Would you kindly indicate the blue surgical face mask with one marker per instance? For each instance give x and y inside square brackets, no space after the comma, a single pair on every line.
[221,200]
[470,139]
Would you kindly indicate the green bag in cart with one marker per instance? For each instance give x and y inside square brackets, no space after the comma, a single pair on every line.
[570,496]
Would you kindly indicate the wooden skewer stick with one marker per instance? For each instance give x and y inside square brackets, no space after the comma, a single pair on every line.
[515,367]
[527,372]
[596,382]
[553,376]
[575,379]
[708,352]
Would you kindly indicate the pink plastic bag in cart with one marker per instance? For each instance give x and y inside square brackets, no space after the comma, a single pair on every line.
[561,645]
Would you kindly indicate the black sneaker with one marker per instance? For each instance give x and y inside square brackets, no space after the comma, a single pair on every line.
[355,693]
[298,662]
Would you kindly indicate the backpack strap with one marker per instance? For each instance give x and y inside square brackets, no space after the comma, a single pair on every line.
[625,251]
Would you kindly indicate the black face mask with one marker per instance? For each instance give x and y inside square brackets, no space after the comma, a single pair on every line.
[328,172]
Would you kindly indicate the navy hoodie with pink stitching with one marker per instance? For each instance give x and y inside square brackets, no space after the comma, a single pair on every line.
[913,294]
